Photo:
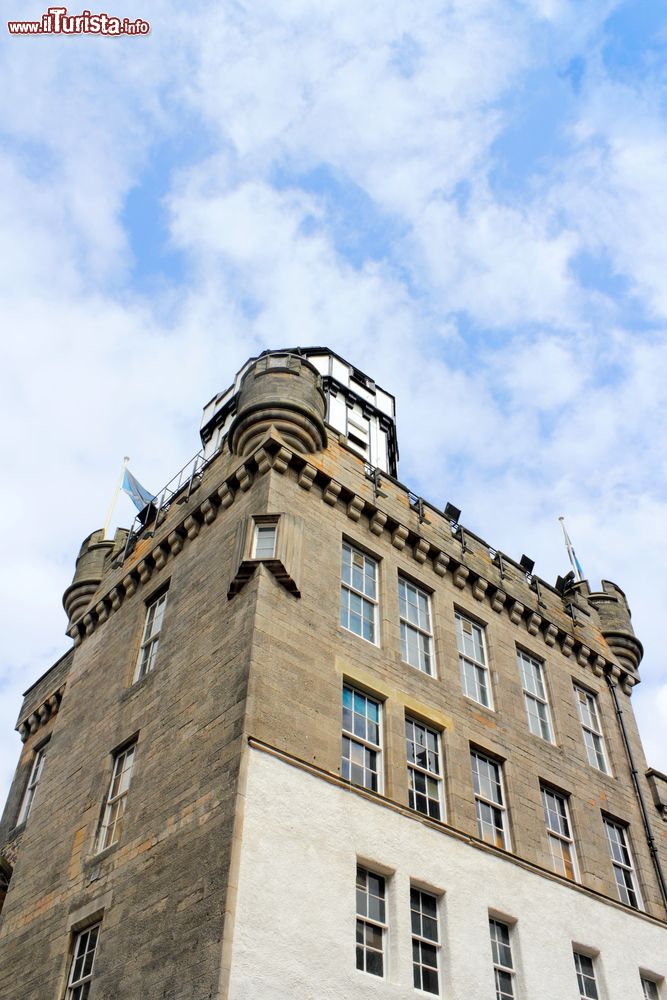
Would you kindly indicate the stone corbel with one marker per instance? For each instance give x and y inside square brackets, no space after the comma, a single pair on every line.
[264,460]
[567,645]
[307,477]
[209,511]
[460,576]
[598,665]
[516,611]
[116,598]
[225,496]
[440,564]
[331,493]
[355,507]
[498,599]
[244,478]
[102,611]
[377,522]
[627,684]
[144,569]
[282,459]
[88,622]
[550,634]
[129,585]
[421,550]
[24,731]
[159,557]
[175,541]
[399,536]
[75,635]
[534,622]
[479,589]
[192,526]
[583,654]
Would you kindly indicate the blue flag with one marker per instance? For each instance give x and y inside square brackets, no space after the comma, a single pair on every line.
[139,496]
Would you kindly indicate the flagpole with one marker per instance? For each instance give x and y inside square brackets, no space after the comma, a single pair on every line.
[570,551]
[115,496]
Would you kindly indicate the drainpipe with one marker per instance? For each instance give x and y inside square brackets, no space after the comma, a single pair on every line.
[653,850]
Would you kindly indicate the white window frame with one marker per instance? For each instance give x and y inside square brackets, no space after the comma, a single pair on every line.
[497,806]
[650,987]
[358,432]
[150,639]
[416,622]
[365,596]
[367,923]
[352,736]
[422,740]
[78,980]
[586,977]
[264,528]
[594,741]
[559,832]
[627,884]
[478,686]
[425,937]
[500,966]
[535,696]
[115,804]
[31,787]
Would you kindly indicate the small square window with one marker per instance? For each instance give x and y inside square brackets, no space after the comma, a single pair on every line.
[264,542]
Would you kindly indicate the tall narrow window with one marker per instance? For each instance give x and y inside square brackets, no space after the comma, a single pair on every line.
[361,750]
[650,989]
[590,725]
[264,542]
[371,921]
[83,960]
[489,799]
[559,833]
[416,631]
[588,988]
[621,859]
[472,659]
[424,768]
[425,940]
[503,966]
[535,696]
[151,637]
[358,593]
[31,787]
[114,809]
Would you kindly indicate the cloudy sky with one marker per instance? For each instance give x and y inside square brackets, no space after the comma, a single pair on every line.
[467,199]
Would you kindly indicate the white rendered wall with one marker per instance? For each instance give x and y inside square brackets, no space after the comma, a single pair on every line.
[294,930]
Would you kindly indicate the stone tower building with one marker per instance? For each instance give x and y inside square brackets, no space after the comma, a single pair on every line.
[315,739]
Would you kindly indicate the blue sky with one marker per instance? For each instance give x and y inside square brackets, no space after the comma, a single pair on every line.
[466,199]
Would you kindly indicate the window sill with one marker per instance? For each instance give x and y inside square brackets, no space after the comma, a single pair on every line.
[348,631]
[478,705]
[95,859]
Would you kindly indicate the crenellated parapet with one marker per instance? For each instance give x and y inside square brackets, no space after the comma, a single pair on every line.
[531,604]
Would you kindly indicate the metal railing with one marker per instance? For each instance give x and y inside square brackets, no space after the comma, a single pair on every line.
[179,489]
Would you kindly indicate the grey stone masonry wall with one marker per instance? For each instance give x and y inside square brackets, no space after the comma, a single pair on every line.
[161,890]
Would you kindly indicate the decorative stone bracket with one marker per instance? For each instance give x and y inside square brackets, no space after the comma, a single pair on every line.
[41,715]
